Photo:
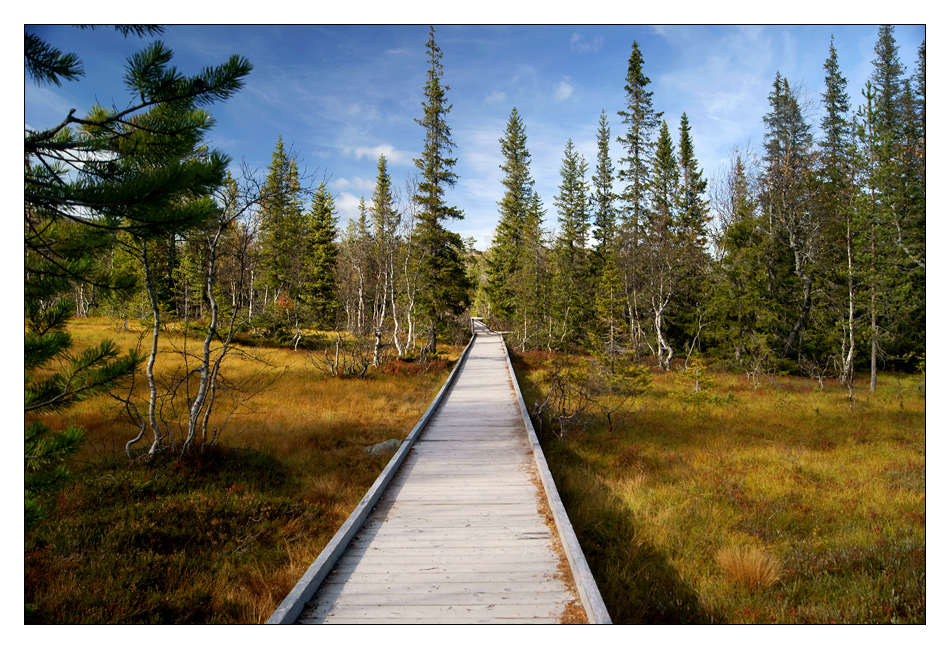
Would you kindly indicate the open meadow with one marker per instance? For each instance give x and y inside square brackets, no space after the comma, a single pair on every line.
[741,505]
[219,536]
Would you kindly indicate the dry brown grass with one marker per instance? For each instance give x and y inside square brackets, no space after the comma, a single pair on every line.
[835,494]
[751,567]
[219,536]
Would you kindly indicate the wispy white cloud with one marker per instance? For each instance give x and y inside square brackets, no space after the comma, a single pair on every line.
[580,44]
[357,184]
[393,155]
[362,110]
[562,90]
[496,96]
[348,207]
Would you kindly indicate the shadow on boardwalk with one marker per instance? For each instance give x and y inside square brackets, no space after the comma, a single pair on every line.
[635,579]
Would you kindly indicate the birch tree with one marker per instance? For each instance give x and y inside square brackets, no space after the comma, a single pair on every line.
[89,181]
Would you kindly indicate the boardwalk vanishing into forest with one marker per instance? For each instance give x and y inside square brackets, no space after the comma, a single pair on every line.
[463,526]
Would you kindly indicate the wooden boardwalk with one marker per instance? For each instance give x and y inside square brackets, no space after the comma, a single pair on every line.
[464,532]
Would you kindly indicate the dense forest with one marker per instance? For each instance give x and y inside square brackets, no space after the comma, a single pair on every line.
[807,257]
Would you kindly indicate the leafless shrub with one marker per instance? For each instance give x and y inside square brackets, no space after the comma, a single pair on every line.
[567,405]
[344,359]
[579,393]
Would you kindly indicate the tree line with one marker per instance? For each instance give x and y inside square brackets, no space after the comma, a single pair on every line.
[808,255]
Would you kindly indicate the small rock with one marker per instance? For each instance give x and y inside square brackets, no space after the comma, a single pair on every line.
[382,448]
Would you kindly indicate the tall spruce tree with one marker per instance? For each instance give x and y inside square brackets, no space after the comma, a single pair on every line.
[835,202]
[508,251]
[693,232]
[603,200]
[641,121]
[320,266]
[786,200]
[534,275]
[571,281]
[662,243]
[284,225]
[443,284]
[741,304]
[892,210]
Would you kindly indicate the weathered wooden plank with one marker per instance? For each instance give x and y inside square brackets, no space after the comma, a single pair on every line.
[488,531]
[502,580]
[394,541]
[441,620]
[441,613]
[540,602]
[446,560]
[500,583]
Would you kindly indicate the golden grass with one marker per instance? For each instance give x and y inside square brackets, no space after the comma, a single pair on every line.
[835,495]
[750,567]
[219,537]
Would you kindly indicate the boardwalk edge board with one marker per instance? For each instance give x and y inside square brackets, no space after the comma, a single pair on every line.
[587,588]
[291,607]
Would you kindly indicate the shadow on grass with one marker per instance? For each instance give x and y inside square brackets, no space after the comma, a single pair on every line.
[636,580]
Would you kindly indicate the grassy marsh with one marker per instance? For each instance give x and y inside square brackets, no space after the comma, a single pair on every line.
[219,536]
[684,500]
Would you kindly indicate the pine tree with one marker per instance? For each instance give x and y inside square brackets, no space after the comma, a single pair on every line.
[88,182]
[443,284]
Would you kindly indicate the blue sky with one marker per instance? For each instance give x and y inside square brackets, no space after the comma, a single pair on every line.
[341,95]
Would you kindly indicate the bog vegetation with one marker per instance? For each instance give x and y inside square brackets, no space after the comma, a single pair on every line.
[772,504]
[221,534]
[703,356]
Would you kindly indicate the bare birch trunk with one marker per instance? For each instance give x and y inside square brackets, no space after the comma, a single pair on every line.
[205,371]
[157,434]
